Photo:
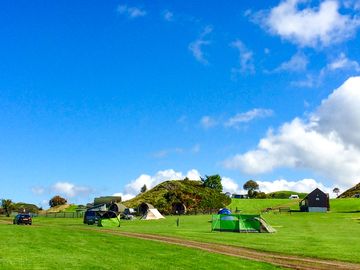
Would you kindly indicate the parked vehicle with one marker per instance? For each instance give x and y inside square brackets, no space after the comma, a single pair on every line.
[22,219]
[91,217]
[294,196]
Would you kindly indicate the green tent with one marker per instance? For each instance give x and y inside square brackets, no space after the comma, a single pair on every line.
[239,223]
[109,219]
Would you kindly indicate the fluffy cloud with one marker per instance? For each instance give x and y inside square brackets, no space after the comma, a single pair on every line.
[327,142]
[133,188]
[229,185]
[309,26]
[70,190]
[245,58]
[196,47]
[248,116]
[131,12]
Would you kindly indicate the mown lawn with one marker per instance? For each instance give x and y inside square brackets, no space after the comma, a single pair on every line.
[55,243]
[63,243]
[332,235]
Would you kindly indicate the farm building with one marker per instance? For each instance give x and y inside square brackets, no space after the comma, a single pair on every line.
[315,201]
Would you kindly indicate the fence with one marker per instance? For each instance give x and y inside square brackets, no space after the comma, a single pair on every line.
[63,215]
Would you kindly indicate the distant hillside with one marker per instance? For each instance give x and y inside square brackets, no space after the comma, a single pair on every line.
[351,192]
[284,194]
[192,194]
[25,207]
[59,208]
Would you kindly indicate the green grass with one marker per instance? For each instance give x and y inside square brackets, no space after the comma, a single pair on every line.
[56,243]
[71,208]
[332,235]
[345,205]
[254,206]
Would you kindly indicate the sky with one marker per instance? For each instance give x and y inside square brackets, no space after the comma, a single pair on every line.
[101,97]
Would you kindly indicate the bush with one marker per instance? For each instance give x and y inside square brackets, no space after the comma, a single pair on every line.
[57,200]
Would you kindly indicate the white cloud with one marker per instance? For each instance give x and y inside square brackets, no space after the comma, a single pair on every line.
[229,185]
[131,12]
[208,122]
[168,15]
[133,188]
[309,26]
[327,142]
[196,47]
[70,190]
[248,116]
[304,186]
[297,63]
[245,59]
[342,62]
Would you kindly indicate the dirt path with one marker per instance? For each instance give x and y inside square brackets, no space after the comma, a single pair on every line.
[287,261]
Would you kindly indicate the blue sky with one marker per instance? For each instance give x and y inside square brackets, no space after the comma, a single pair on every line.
[99,98]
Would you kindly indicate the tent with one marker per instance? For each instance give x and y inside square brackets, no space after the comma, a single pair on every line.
[240,223]
[117,207]
[152,213]
[109,219]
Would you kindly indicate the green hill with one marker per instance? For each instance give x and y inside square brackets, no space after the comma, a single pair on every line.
[351,192]
[196,197]
[284,194]
[25,207]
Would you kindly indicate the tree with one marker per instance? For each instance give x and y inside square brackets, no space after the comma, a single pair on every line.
[336,191]
[251,186]
[8,206]
[143,189]
[213,182]
[57,200]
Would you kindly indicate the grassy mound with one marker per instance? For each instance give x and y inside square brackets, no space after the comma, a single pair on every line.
[196,197]
[351,192]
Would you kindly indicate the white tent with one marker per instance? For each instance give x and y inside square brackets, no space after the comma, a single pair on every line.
[152,213]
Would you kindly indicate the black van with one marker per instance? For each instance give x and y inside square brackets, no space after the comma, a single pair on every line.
[91,217]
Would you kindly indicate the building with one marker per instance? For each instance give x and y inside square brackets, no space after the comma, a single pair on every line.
[240,196]
[315,201]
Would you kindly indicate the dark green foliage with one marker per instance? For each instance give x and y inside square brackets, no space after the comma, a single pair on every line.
[193,194]
[26,207]
[336,191]
[261,195]
[7,206]
[57,200]
[285,194]
[251,186]
[213,182]
[143,189]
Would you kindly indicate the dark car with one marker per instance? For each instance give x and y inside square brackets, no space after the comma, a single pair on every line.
[22,219]
[91,217]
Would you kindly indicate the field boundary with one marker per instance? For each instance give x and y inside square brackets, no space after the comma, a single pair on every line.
[283,260]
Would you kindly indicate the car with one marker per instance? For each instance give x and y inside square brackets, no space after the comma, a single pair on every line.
[22,219]
[91,217]
[294,196]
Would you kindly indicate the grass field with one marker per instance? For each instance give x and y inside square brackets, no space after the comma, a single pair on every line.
[56,243]
[62,243]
